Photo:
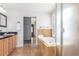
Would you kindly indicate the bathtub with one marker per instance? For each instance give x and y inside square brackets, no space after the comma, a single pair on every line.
[48,41]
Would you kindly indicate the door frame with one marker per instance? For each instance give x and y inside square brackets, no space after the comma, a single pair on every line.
[61,28]
[35,29]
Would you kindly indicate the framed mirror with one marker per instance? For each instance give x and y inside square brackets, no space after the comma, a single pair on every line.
[3,20]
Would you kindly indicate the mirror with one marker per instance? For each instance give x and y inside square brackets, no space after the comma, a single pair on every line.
[3,20]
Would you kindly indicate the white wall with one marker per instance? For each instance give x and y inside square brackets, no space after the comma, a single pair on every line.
[44,21]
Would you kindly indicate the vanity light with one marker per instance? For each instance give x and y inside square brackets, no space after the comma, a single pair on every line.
[2,10]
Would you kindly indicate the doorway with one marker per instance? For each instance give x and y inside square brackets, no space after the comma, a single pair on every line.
[29,31]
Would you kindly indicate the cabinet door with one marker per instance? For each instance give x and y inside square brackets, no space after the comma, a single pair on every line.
[14,42]
[10,44]
[1,47]
[6,46]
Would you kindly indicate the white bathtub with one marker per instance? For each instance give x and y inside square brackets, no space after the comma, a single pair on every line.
[48,41]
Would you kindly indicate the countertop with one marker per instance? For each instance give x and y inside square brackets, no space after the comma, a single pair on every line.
[9,34]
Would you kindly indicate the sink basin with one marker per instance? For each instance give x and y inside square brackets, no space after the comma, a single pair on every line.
[5,34]
[8,34]
[1,36]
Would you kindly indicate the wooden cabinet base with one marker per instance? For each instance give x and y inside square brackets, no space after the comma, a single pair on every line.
[1,47]
[14,42]
[46,51]
[7,45]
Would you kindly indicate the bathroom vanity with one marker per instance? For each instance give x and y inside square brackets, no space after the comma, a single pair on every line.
[7,44]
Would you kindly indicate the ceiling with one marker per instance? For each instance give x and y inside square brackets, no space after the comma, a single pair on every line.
[28,7]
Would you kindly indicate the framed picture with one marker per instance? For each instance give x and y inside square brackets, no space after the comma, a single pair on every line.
[3,20]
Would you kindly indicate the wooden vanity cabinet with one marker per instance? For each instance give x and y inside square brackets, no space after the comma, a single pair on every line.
[10,44]
[1,47]
[14,42]
[6,46]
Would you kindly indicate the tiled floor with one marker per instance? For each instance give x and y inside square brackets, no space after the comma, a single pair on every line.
[27,50]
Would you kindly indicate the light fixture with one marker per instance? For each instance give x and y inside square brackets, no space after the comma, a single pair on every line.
[2,10]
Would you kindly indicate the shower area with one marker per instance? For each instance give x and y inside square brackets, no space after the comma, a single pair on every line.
[65,24]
